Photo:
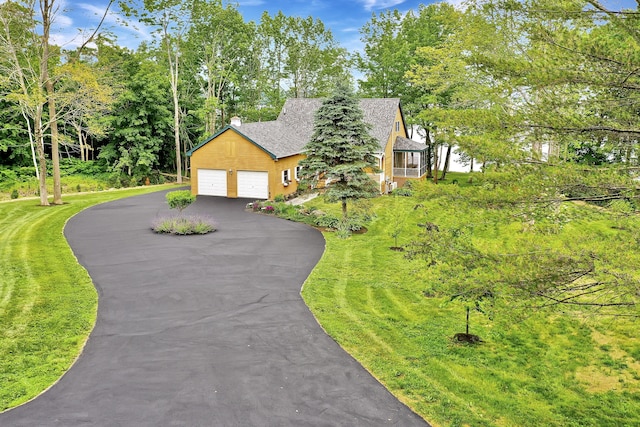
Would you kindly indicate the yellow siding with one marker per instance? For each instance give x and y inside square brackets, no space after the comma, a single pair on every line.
[231,152]
[388,152]
[276,185]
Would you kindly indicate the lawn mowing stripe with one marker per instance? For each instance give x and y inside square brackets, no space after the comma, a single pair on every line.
[47,301]
[400,308]
[19,272]
[8,278]
[371,302]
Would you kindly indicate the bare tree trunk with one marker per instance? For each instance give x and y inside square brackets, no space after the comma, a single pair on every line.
[429,153]
[47,10]
[173,58]
[78,129]
[435,164]
[42,161]
[32,143]
[554,151]
[344,209]
[55,145]
[447,160]
[536,147]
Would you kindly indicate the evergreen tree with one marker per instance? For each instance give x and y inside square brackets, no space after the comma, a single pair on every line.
[341,150]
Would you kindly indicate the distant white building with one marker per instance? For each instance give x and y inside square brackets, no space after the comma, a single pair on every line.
[455,164]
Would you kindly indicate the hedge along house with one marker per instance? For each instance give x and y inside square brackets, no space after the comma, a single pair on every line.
[260,160]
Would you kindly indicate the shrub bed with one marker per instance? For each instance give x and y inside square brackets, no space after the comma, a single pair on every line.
[184,225]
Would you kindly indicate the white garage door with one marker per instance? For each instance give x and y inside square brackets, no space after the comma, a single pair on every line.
[253,185]
[212,182]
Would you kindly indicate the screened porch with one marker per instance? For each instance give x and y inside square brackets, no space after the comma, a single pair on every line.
[409,158]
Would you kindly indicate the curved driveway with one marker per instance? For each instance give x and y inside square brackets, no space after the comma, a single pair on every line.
[205,330]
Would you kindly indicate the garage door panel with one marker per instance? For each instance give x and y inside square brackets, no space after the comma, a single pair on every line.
[212,182]
[253,184]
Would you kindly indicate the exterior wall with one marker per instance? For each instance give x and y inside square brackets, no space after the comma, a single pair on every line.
[276,185]
[388,152]
[231,152]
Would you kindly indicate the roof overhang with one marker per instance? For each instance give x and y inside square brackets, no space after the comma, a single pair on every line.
[407,145]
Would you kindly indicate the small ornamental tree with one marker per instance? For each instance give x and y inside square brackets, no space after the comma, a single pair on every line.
[180,199]
[341,150]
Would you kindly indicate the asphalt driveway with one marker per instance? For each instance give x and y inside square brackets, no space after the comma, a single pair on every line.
[205,330]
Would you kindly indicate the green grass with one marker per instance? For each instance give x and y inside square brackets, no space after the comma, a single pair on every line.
[47,300]
[68,184]
[550,370]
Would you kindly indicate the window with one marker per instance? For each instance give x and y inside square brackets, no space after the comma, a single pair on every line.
[286,178]
[397,126]
[298,168]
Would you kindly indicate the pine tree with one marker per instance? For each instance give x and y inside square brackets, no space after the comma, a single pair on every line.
[341,150]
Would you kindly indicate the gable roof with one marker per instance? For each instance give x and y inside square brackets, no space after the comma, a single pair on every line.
[232,129]
[292,130]
[406,144]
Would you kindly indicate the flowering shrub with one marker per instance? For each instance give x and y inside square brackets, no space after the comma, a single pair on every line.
[183,225]
[268,209]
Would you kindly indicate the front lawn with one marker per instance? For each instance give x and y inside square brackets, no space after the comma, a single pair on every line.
[540,369]
[47,300]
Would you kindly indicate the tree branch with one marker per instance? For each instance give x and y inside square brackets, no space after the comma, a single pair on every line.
[585,129]
[92,36]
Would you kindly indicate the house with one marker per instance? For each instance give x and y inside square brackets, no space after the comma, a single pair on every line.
[260,160]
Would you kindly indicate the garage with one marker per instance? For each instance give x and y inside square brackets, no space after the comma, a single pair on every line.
[212,182]
[253,184]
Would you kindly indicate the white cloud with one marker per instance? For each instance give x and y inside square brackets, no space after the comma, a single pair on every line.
[380,4]
[352,44]
[86,17]
[121,26]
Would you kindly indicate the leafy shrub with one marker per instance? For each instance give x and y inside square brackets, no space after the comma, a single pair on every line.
[180,199]
[156,178]
[353,223]
[404,191]
[343,231]
[14,194]
[328,221]
[184,225]
[113,180]
[79,167]
[290,212]
[279,198]
[363,209]
[8,175]
[621,206]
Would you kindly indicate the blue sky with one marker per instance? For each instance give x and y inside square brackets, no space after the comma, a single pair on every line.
[344,18]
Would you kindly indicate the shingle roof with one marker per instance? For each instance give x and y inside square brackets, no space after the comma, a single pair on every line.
[290,132]
[405,144]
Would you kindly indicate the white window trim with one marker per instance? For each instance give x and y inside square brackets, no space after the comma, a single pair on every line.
[297,172]
[286,174]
